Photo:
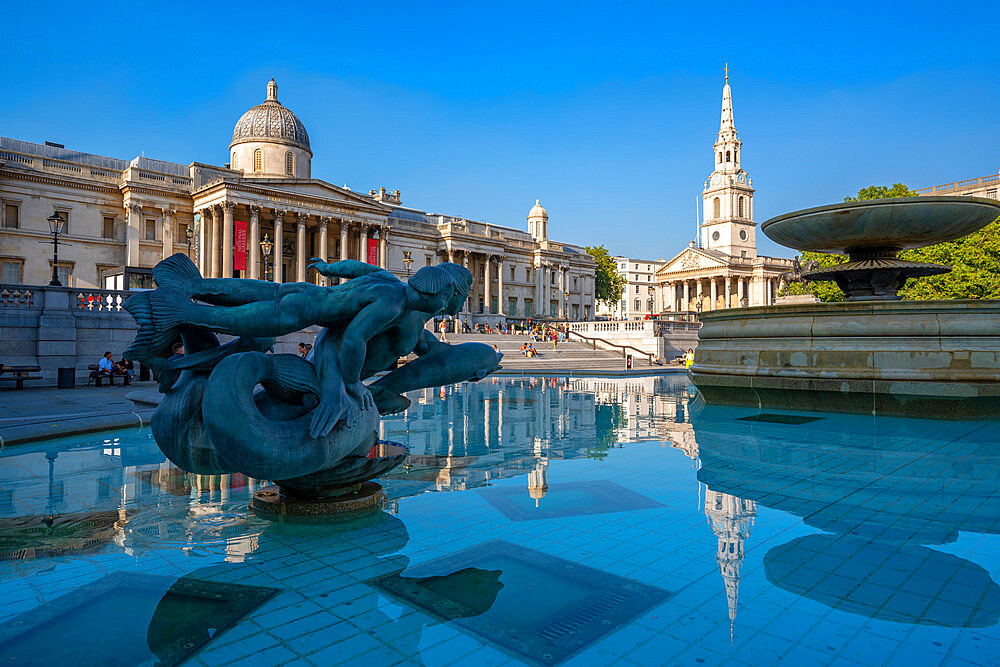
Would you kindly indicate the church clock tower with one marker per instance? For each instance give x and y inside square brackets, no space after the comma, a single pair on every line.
[727,199]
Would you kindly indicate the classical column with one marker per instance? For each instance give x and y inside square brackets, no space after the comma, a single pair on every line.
[714,293]
[739,292]
[227,238]
[253,243]
[363,244]
[698,292]
[465,263]
[168,232]
[278,252]
[324,223]
[687,297]
[132,236]
[451,255]
[203,242]
[214,268]
[500,308]
[487,300]
[383,246]
[672,293]
[563,292]
[300,246]
[729,292]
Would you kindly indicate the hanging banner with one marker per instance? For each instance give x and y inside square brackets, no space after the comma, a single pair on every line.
[373,251]
[240,246]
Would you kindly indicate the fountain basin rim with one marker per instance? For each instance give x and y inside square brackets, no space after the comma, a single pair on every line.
[892,235]
[950,306]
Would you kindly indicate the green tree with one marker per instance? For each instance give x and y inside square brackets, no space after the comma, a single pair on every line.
[608,283]
[975,261]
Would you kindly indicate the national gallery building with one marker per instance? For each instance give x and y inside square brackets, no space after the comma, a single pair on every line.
[263,216]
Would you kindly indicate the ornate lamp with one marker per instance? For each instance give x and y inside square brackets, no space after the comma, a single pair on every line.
[408,260]
[265,249]
[56,225]
[189,235]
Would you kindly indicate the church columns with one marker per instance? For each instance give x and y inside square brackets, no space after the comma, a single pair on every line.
[698,293]
[227,238]
[133,213]
[687,297]
[729,292]
[253,243]
[739,291]
[714,293]
[363,244]
[278,251]
[214,270]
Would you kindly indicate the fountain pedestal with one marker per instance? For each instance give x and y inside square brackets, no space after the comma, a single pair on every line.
[936,359]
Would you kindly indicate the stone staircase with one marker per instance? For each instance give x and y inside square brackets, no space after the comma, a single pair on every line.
[568,356]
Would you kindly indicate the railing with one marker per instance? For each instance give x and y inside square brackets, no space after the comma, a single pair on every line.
[17,297]
[102,301]
[624,348]
[982,180]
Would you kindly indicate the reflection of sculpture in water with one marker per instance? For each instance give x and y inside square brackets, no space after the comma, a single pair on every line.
[375,541]
[307,416]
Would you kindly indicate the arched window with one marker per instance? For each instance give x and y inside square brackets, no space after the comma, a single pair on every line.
[258,160]
[727,156]
[716,208]
[235,165]
[289,164]
[720,157]
[739,207]
[736,155]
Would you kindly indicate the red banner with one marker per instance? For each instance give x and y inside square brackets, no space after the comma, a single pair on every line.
[240,247]
[373,251]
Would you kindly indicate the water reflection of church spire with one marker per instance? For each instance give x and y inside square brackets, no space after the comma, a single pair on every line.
[731,519]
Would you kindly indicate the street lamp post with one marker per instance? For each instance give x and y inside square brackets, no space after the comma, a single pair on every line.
[265,249]
[56,224]
[408,260]
[189,235]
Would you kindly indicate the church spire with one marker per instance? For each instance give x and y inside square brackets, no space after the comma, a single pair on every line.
[727,125]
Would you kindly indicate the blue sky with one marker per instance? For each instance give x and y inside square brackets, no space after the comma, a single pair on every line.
[607,112]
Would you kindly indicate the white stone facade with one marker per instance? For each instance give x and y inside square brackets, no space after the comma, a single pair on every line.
[984,186]
[638,300]
[128,215]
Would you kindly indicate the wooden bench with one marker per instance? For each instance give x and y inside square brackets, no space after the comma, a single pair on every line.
[19,374]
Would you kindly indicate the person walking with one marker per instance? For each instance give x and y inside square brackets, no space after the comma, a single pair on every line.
[443,328]
[689,358]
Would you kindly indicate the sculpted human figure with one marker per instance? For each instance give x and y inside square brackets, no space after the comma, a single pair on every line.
[370,321]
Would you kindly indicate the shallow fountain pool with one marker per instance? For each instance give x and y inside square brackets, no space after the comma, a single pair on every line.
[536,521]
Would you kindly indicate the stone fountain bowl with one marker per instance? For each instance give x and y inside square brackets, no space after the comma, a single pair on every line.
[906,222]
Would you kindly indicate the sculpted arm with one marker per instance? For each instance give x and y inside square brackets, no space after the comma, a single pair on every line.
[345,268]
[372,319]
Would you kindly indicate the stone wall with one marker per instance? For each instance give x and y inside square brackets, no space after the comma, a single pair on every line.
[664,339]
[57,327]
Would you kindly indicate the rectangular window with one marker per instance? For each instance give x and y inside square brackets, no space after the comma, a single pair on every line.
[11,273]
[636,289]
[150,229]
[10,216]
[182,230]
[428,263]
[108,228]
[65,273]
[623,305]
[527,307]
[991,193]
[512,272]
[527,275]
[512,306]
[65,217]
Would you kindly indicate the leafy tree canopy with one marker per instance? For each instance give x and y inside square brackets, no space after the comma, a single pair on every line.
[975,261]
[608,283]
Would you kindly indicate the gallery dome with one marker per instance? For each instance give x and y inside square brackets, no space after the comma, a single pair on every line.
[270,121]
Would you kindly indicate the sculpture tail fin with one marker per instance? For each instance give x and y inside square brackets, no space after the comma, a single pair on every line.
[159,314]
[175,271]
[292,377]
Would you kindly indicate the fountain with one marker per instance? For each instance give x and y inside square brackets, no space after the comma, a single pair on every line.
[872,353]
[311,425]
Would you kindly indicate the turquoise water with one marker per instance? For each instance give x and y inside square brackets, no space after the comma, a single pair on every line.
[545,521]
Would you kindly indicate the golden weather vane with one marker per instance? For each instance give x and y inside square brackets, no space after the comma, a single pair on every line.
[727,72]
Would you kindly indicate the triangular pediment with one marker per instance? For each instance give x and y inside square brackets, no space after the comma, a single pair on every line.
[693,259]
[316,188]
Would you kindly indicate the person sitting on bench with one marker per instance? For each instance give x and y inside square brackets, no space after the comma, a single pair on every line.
[106,367]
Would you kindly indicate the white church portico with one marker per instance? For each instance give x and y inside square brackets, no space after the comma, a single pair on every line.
[723,270]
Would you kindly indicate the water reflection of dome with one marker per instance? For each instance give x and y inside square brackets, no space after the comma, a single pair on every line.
[882,496]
